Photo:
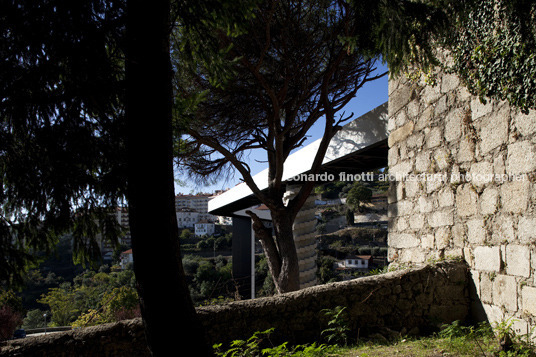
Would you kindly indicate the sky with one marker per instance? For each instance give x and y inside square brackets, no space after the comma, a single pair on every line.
[371,95]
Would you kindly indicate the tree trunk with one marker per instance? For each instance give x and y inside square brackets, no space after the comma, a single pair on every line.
[168,313]
[280,252]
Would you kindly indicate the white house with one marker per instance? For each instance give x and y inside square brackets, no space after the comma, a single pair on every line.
[354,262]
[204,227]
[126,258]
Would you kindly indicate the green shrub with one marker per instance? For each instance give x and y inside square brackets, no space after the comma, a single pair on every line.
[252,347]
[337,331]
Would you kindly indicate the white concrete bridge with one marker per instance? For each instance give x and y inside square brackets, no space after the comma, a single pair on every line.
[360,146]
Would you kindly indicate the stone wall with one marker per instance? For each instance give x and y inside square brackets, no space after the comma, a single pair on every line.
[465,187]
[408,301]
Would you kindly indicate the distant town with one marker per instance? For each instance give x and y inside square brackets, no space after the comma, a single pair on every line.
[194,221]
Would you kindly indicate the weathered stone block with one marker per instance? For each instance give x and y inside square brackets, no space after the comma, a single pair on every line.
[499,167]
[520,327]
[433,138]
[391,124]
[494,313]
[505,292]
[424,119]
[526,229]
[392,156]
[468,256]
[426,204]
[445,197]
[466,150]
[400,191]
[453,124]
[518,260]
[525,123]
[475,277]
[459,235]
[488,201]
[433,183]
[449,82]
[431,94]
[442,158]
[441,106]
[486,288]
[415,140]
[462,94]
[479,109]
[476,233]
[399,98]
[515,196]
[401,169]
[401,133]
[402,224]
[533,262]
[503,229]
[466,201]
[442,237]
[481,173]
[528,298]
[413,255]
[416,221]
[427,241]
[400,118]
[404,152]
[403,240]
[404,207]
[454,252]
[487,258]
[413,109]
[413,188]
[493,130]
[422,162]
[441,218]
[521,158]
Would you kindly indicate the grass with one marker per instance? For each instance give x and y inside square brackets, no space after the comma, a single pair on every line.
[422,347]
[455,339]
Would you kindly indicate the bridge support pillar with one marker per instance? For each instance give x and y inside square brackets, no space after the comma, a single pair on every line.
[242,255]
[305,238]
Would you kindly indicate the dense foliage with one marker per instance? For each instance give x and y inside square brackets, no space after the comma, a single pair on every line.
[211,281]
[93,298]
[358,194]
[493,46]
[61,118]
[489,44]
[11,313]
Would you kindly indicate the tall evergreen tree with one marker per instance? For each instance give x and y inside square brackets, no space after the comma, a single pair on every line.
[64,158]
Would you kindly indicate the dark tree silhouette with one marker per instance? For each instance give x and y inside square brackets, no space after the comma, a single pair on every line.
[64,159]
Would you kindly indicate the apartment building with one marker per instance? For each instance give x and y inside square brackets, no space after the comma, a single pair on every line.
[192,209]
[197,203]
[121,215]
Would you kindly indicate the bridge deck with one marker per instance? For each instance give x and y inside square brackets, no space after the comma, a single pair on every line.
[359,146]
